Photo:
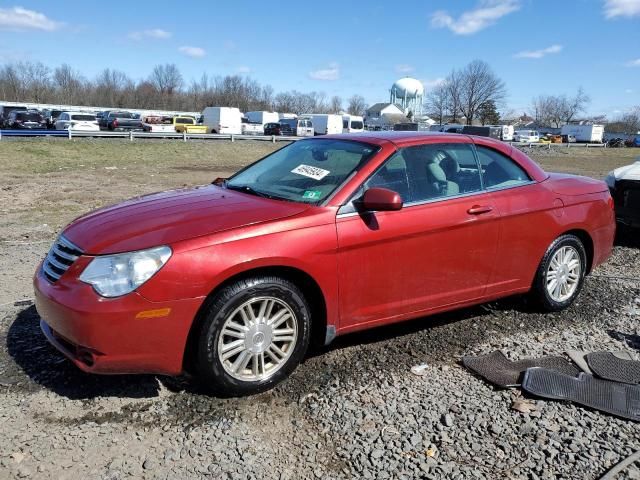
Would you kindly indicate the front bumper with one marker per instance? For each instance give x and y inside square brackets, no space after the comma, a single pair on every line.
[129,334]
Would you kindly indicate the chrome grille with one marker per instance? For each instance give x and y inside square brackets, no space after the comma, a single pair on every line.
[61,256]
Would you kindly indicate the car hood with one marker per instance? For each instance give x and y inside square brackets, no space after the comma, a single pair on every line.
[167,217]
[565,184]
[628,172]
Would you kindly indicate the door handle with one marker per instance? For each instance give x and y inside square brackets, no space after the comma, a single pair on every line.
[479,209]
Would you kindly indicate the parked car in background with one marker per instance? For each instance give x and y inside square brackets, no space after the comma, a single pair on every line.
[352,124]
[156,123]
[102,118]
[230,281]
[25,120]
[78,121]
[296,127]
[251,128]
[486,131]
[568,138]
[624,184]
[325,123]
[185,123]
[272,128]
[5,110]
[406,127]
[120,121]
[51,117]
[506,132]
[585,133]
[225,120]
[526,136]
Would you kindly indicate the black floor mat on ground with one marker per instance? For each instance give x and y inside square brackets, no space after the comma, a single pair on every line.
[606,365]
[499,370]
[618,399]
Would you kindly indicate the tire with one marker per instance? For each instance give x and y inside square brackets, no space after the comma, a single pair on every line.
[553,297]
[266,361]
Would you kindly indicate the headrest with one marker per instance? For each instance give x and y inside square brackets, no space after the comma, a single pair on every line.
[437,172]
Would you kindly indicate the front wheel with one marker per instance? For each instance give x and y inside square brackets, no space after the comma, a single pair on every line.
[561,273]
[254,334]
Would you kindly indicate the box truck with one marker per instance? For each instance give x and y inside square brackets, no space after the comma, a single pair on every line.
[226,120]
[326,123]
[262,117]
[585,133]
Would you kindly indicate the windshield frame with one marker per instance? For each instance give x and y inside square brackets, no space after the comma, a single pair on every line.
[375,149]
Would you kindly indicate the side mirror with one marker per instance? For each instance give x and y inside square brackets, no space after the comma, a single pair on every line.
[380,200]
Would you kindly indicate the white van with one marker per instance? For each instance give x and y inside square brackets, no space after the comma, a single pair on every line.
[262,117]
[352,124]
[226,120]
[507,132]
[526,136]
[326,123]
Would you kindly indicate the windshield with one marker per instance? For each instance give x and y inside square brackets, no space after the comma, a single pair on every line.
[305,171]
[84,117]
[357,124]
[29,117]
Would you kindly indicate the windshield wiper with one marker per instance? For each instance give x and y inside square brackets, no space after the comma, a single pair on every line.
[249,190]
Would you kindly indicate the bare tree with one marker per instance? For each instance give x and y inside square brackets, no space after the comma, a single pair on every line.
[335,105]
[557,110]
[166,78]
[357,105]
[69,84]
[478,84]
[453,85]
[627,123]
[438,102]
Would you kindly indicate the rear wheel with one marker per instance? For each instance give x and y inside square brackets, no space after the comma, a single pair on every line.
[254,334]
[561,273]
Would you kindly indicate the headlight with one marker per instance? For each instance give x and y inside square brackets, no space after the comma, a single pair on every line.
[116,275]
[610,180]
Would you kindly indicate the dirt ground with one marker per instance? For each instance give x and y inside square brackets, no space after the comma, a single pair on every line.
[352,410]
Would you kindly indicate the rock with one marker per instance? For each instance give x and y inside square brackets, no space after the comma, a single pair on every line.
[447,420]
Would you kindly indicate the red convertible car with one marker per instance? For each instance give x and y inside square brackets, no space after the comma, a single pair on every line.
[323,237]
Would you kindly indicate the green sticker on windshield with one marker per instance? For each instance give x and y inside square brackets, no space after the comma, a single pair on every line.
[311,194]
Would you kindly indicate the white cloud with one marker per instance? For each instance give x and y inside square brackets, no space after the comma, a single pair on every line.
[243,69]
[633,63]
[486,14]
[156,33]
[436,82]
[539,53]
[332,72]
[404,68]
[193,52]
[18,18]
[621,8]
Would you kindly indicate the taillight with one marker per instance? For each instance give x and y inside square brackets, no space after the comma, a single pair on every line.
[611,203]
[115,123]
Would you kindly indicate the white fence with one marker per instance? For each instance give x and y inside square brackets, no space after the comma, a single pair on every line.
[70,134]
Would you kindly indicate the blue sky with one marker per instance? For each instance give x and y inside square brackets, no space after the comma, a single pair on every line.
[341,47]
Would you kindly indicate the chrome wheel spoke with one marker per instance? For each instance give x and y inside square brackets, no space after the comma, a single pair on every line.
[563,274]
[257,339]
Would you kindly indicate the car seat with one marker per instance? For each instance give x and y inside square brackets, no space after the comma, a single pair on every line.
[438,180]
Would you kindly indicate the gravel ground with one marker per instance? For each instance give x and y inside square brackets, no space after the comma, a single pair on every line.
[353,410]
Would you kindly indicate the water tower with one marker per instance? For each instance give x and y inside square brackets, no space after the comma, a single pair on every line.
[409,94]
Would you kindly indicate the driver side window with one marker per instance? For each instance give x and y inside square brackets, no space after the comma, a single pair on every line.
[393,176]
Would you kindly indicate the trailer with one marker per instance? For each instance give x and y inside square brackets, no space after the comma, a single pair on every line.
[262,117]
[326,123]
[585,133]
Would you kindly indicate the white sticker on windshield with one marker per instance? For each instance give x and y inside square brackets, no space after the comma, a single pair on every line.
[311,172]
